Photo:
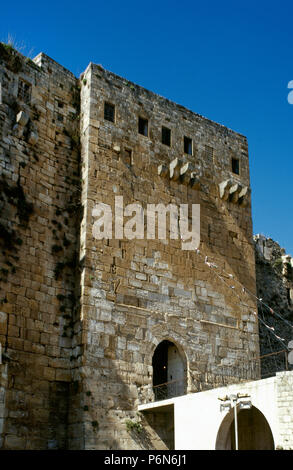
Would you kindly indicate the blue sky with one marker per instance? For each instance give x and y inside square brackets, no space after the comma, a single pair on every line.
[229,61]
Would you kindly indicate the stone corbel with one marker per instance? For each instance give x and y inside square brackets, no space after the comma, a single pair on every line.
[22,122]
[224,189]
[33,136]
[163,171]
[243,196]
[234,192]
[18,130]
[194,181]
[116,148]
[174,169]
[185,173]
[22,119]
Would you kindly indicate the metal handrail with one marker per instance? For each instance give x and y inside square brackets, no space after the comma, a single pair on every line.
[273,353]
[173,388]
[278,367]
[258,368]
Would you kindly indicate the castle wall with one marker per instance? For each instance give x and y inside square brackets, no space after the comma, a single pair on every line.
[39,187]
[136,293]
[80,318]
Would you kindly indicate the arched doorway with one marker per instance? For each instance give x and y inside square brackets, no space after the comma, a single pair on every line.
[254,432]
[169,371]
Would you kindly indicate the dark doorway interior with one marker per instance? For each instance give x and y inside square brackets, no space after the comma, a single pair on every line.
[160,363]
[169,372]
[254,432]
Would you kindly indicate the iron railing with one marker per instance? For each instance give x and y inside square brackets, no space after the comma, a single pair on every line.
[273,362]
[174,388]
[261,367]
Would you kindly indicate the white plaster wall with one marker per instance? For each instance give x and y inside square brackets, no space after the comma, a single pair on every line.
[198,417]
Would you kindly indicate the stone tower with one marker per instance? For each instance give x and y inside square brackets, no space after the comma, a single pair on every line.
[91,328]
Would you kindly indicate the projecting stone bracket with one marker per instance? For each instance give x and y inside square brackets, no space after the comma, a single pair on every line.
[33,137]
[163,171]
[224,189]
[22,119]
[24,126]
[194,181]
[234,192]
[244,196]
[174,169]
[183,173]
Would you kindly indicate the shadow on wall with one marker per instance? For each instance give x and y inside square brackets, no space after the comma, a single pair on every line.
[254,432]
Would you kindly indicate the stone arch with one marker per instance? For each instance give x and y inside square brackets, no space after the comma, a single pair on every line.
[157,339]
[169,369]
[254,432]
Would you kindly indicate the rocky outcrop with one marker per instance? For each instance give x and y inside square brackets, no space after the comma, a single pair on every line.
[274,278]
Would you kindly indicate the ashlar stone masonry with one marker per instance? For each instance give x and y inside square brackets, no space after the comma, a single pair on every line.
[81,318]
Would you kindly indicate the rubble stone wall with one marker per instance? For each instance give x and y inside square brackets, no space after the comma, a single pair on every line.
[39,190]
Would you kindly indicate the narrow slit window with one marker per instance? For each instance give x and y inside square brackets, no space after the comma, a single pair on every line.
[166,136]
[24,91]
[143,126]
[109,112]
[187,145]
[209,153]
[128,157]
[235,166]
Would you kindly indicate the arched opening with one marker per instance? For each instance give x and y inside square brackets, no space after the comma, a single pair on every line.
[169,371]
[254,432]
